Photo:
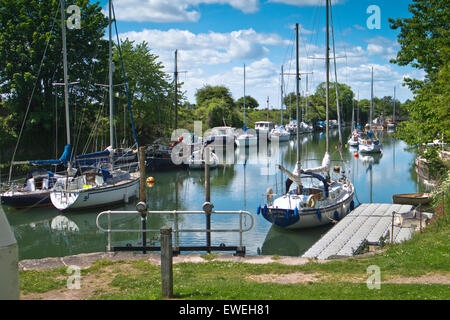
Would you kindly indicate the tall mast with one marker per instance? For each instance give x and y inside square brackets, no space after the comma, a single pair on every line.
[66,80]
[353,115]
[306,96]
[357,111]
[176,91]
[111,97]
[327,63]
[371,102]
[282,83]
[297,81]
[244,95]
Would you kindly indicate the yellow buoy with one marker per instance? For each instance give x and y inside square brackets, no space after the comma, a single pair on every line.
[150,180]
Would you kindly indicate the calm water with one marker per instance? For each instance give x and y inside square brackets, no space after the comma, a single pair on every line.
[239,186]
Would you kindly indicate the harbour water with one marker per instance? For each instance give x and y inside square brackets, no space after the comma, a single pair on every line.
[239,185]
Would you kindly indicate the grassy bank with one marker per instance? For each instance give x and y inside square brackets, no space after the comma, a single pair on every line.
[416,269]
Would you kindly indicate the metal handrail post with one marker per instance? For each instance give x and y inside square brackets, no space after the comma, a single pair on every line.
[109,231]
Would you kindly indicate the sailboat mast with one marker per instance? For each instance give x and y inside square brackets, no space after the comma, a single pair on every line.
[244,95]
[371,102]
[357,111]
[327,63]
[297,81]
[66,80]
[306,96]
[282,94]
[353,115]
[176,90]
[111,106]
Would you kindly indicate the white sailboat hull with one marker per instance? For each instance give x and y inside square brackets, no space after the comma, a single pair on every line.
[96,196]
[370,148]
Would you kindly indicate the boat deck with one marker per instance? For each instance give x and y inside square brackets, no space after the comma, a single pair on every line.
[367,224]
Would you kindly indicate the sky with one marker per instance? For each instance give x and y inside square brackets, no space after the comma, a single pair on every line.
[216,38]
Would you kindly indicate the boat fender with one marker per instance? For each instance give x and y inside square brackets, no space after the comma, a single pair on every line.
[352,205]
[336,215]
[319,215]
[258,210]
[296,211]
[311,201]
[287,214]
[265,209]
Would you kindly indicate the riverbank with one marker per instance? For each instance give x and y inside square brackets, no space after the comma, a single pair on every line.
[415,269]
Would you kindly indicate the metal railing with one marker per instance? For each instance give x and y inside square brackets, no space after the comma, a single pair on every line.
[175,229]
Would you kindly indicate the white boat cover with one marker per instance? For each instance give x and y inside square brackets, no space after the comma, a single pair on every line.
[324,167]
[295,177]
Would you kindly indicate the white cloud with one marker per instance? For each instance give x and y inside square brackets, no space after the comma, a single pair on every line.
[216,58]
[208,48]
[173,11]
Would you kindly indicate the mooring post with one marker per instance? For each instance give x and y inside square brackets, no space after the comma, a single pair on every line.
[142,205]
[166,262]
[207,197]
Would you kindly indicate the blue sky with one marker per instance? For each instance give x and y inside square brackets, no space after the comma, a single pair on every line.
[215,38]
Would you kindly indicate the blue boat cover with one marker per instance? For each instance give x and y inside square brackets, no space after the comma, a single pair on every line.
[63,160]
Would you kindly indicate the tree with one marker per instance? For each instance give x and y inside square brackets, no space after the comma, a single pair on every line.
[250,103]
[30,33]
[424,38]
[215,105]
[425,44]
[345,99]
[211,92]
[150,92]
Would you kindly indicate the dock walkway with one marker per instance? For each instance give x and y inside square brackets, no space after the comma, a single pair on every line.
[367,224]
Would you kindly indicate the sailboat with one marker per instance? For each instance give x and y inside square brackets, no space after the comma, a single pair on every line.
[97,186]
[35,192]
[317,199]
[246,139]
[279,133]
[370,144]
[353,141]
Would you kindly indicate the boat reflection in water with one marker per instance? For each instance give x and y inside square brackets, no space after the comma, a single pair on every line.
[290,242]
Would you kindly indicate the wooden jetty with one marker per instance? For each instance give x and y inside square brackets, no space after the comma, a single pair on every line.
[368,224]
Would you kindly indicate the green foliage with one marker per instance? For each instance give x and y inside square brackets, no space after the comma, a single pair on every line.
[424,38]
[30,55]
[208,92]
[216,107]
[42,281]
[250,103]
[150,92]
[425,44]
[28,29]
